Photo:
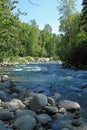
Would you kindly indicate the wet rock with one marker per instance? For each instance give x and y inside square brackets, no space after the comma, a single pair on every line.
[18,102]
[6,84]
[5,114]
[62,110]
[2,127]
[5,78]
[25,123]
[77,122]
[12,96]
[16,89]
[83,86]
[38,102]
[65,129]
[43,118]
[57,97]
[51,101]
[51,110]
[10,105]
[70,105]
[20,113]
[3,95]
[68,124]
[0,103]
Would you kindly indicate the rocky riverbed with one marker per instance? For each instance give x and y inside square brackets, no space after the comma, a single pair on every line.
[21,109]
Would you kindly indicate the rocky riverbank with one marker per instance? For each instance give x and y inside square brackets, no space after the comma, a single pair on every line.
[24,60]
[21,109]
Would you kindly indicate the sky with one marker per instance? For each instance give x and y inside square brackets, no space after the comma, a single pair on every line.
[45,13]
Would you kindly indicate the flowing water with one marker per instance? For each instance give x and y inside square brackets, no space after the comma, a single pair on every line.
[50,78]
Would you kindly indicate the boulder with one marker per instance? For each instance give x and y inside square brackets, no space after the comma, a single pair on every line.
[77,122]
[20,113]
[6,84]
[2,127]
[11,96]
[3,95]
[5,78]
[65,129]
[25,123]
[10,105]
[38,102]
[16,89]
[51,101]
[51,110]
[43,119]
[68,124]
[5,114]
[70,105]
[18,102]
[0,103]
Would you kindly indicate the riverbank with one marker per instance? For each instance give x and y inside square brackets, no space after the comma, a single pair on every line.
[75,67]
[25,110]
[24,60]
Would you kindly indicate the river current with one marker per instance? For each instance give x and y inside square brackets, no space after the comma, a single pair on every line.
[50,78]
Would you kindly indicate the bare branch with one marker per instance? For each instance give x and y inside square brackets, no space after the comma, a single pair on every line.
[32,3]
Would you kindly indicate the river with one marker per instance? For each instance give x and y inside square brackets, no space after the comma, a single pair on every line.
[50,78]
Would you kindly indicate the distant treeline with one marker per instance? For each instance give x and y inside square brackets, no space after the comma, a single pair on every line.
[26,39]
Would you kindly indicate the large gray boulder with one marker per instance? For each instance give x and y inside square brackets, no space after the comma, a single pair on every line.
[70,105]
[38,102]
[2,127]
[20,113]
[43,119]
[51,110]
[5,114]
[25,123]
[6,84]
[3,95]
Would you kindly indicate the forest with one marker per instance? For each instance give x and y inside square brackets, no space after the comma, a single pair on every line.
[19,39]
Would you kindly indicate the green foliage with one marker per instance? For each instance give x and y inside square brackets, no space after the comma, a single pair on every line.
[28,58]
[84,18]
[72,45]
[19,39]
[1,58]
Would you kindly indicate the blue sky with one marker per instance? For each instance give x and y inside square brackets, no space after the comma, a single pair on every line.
[45,13]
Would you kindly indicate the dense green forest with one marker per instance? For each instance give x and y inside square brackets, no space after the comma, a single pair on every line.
[73,25]
[26,39]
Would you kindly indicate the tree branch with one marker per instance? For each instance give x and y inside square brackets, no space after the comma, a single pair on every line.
[32,3]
